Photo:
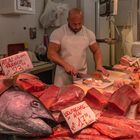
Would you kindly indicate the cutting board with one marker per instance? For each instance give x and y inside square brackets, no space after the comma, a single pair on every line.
[114,75]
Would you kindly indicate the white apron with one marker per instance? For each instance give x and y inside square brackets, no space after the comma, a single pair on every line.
[73,51]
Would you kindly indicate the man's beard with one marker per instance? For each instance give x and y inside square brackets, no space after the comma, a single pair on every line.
[74,30]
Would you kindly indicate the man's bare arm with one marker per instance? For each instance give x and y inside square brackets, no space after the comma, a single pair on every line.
[53,55]
[98,58]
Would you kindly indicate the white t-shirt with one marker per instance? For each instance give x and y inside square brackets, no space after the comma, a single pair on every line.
[59,33]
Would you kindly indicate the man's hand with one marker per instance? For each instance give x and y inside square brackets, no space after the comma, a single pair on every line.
[70,69]
[103,70]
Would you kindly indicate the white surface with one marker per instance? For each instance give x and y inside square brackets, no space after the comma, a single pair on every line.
[96,84]
[13,31]
[114,75]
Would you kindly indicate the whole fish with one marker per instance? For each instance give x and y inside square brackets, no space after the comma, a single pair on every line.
[24,115]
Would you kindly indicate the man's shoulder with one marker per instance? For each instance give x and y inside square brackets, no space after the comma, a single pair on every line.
[90,35]
[57,34]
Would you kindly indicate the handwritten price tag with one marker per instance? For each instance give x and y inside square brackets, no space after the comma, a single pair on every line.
[78,116]
[16,64]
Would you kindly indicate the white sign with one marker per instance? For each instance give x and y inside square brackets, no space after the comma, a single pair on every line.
[16,64]
[78,116]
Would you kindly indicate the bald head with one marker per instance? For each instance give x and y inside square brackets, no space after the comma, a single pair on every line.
[75,12]
[75,19]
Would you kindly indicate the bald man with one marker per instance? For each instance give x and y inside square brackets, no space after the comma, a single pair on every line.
[67,48]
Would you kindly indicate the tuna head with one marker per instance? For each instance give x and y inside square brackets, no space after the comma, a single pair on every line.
[23,114]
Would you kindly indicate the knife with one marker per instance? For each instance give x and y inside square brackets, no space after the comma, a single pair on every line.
[83,76]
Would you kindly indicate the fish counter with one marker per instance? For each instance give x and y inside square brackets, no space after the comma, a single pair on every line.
[37,110]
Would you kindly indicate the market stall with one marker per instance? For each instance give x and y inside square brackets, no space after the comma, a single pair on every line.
[93,107]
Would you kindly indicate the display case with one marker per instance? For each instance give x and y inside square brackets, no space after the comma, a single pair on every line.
[17,6]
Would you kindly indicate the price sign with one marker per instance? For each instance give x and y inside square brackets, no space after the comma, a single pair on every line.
[16,64]
[78,116]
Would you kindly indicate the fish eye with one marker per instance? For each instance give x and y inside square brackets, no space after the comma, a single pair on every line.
[35,104]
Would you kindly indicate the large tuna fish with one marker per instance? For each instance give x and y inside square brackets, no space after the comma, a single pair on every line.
[22,114]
